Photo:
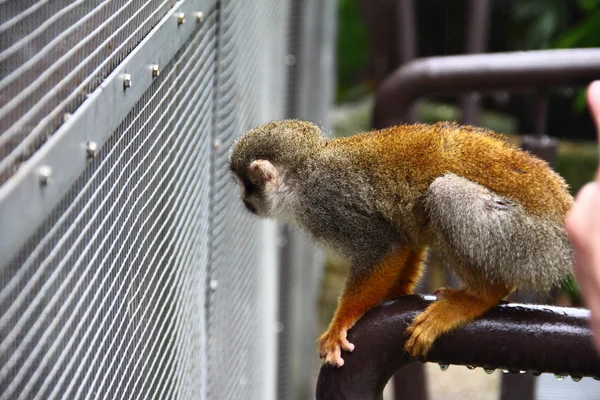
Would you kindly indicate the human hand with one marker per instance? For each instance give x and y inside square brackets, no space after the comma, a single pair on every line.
[583,225]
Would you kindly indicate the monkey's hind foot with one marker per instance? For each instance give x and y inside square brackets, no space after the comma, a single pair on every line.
[331,345]
[452,308]
[421,333]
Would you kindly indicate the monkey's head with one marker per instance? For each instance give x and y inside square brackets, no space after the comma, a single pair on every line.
[266,162]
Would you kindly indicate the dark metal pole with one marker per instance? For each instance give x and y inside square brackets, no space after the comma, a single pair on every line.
[406,22]
[406,31]
[410,382]
[522,387]
[477,37]
[540,143]
[514,337]
[481,72]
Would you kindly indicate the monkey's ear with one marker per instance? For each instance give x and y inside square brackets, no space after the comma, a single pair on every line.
[263,171]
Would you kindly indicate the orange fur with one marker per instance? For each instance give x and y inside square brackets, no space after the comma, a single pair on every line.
[362,293]
[423,152]
[391,174]
[403,161]
[452,308]
[410,274]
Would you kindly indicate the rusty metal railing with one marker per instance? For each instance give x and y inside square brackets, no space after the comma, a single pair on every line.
[482,73]
[513,337]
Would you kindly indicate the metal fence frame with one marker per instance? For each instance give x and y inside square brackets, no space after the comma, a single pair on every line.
[235,69]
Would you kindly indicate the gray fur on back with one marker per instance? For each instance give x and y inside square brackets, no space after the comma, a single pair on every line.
[338,210]
[494,237]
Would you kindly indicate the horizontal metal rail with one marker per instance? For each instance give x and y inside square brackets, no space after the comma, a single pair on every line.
[481,72]
[511,337]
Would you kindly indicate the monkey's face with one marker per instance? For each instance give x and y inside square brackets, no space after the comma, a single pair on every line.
[250,194]
[257,184]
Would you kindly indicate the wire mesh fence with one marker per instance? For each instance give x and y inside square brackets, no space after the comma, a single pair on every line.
[129,268]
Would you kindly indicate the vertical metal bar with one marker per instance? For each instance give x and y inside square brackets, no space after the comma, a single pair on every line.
[517,387]
[522,387]
[407,43]
[409,383]
[476,42]
[376,15]
[310,95]
[284,366]
[406,31]
[540,144]
[541,112]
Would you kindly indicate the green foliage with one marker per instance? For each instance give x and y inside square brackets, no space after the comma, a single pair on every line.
[352,49]
[570,287]
[584,34]
[589,5]
[577,163]
[542,20]
[550,23]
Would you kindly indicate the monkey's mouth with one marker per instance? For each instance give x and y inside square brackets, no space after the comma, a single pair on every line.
[250,207]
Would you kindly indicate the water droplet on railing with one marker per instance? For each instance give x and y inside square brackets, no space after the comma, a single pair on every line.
[560,377]
[576,378]
[505,371]
[489,371]
[444,367]
[471,367]
[536,373]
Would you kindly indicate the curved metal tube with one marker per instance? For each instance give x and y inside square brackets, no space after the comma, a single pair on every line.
[514,337]
[481,72]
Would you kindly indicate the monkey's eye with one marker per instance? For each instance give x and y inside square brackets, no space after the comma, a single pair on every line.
[249,187]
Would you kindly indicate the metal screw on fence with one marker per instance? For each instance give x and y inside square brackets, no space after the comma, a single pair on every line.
[180,18]
[91,149]
[126,80]
[155,70]
[290,60]
[199,16]
[282,240]
[44,173]
[278,327]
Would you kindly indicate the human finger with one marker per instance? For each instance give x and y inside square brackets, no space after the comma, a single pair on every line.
[593,100]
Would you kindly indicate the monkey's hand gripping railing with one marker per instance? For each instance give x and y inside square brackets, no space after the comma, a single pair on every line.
[514,337]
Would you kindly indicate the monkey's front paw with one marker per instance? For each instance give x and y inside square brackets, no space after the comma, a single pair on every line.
[331,345]
[421,334]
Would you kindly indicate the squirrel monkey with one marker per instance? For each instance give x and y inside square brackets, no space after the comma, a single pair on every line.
[493,212]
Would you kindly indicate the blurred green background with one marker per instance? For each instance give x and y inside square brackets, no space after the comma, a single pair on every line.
[514,25]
